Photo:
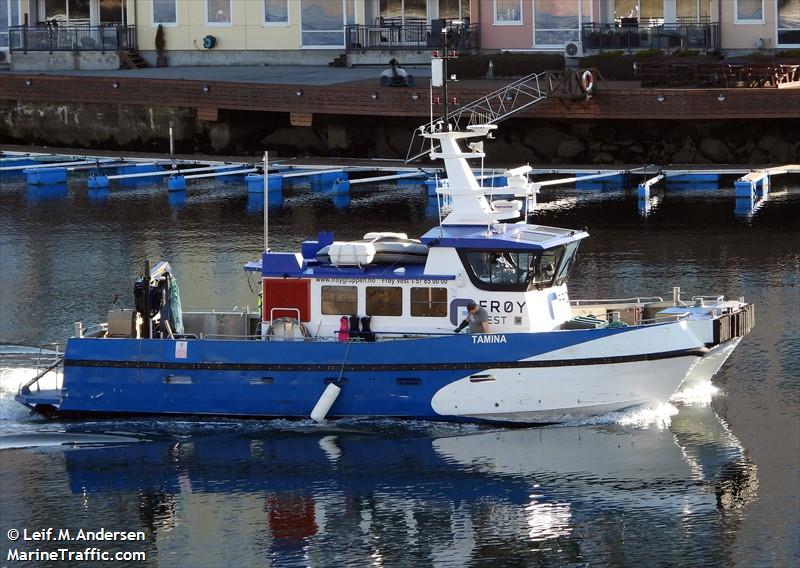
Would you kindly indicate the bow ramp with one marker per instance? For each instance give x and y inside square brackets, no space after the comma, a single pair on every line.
[494,107]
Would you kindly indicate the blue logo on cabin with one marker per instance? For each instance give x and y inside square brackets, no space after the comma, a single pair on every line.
[458,310]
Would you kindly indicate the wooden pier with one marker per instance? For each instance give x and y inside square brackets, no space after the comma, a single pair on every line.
[367,98]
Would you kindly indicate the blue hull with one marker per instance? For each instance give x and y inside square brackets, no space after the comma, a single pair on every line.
[286,379]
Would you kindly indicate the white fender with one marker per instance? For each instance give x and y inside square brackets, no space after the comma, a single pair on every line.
[329,396]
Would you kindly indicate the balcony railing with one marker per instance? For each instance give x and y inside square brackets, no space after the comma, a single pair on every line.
[632,36]
[72,38]
[412,35]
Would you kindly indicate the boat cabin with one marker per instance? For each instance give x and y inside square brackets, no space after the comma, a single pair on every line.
[386,285]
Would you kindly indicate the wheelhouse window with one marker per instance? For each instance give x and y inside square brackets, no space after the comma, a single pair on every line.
[749,11]
[339,300]
[517,271]
[165,12]
[788,22]
[508,12]
[384,301]
[429,302]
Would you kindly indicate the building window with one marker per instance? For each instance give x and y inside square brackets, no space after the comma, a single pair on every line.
[165,12]
[110,11]
[508,12]
[276,12]
[788,22]
[429,302]
[384,301]
[403,11]
[339,300]
[322,22]
[556,21]
[218,12]
[749,11]
[453,9]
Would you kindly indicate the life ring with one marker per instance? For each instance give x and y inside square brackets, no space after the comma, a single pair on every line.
[587,81]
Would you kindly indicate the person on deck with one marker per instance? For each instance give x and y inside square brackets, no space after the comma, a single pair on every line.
[477,319]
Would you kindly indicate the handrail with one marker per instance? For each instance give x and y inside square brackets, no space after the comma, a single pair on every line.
[272,311]
[54,37]
[410,35]
[638,35]
[638,300]
[24,389]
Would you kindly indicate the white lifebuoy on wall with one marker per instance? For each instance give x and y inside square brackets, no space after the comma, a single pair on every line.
[587,81]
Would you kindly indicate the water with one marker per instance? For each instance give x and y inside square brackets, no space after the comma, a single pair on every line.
[710,479]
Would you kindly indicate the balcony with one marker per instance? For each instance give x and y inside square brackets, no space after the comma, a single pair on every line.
[630,36]
[52,38]
[412,35]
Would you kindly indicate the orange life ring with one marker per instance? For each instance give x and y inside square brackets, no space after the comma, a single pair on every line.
[587,81]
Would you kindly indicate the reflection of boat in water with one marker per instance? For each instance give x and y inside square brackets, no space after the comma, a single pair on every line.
[458,489]
[598,466]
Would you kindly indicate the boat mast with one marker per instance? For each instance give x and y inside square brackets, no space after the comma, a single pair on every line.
[266,201]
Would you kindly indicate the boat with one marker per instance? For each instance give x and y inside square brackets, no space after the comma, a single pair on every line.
[341,334]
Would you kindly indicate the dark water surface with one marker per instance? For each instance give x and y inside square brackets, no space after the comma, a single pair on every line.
[709,481]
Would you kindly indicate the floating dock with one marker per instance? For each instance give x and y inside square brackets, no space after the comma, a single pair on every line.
[339,176]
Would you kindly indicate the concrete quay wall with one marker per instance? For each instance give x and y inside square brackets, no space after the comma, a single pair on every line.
[535,140]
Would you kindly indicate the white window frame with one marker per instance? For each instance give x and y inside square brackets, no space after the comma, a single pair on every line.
[519,22]
[781,45]
[267,24]
[760,22]
[155,24]
[218,24]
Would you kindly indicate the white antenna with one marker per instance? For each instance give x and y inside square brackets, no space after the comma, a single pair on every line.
[266,201]
[430,99]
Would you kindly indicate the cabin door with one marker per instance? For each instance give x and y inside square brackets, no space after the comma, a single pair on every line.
[286,297]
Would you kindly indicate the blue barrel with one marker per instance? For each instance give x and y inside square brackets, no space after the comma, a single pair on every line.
[96,182]
[176,183]
[255,183]
[47,176]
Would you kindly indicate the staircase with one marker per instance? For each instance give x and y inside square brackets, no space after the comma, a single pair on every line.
[130,59]
[339,61]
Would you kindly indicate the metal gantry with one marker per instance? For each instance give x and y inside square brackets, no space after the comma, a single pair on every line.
[490,109]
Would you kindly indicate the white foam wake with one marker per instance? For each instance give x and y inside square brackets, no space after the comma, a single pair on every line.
[11,378]
[696,394]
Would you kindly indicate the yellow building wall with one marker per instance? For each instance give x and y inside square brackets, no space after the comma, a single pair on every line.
[247,30]
[744,36]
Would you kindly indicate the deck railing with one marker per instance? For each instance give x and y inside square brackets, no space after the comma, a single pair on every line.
[412,35]
[632,37]
[72,38]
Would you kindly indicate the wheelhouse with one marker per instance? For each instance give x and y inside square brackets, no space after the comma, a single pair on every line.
[517,272]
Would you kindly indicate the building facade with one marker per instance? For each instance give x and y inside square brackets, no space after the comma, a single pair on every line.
[213,32]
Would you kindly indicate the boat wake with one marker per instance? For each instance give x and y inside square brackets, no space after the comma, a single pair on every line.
[659,416]
[59,439]
[697,394]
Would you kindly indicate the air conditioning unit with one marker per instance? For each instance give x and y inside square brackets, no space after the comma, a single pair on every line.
[573,49]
